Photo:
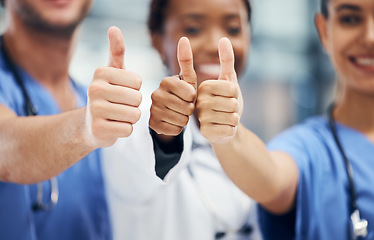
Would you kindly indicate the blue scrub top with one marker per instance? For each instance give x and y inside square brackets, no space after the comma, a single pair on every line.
[81,212]
[323,203]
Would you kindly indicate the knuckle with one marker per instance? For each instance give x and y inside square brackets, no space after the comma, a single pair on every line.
[130,77]
[232,89]
[185,120]
[203,118]
[175,130]
[138,98]
[162,128]
[235,119]
[137,114]
[154,125]
[234,105]
[204,87]
[118,52]
[191,93]
[155,113]
[126,130]
[138,81]
[202,103]
[157,97]
[94,90]
[95,109]
[227,131]
[171,130]
[100,72]
[179,130]
[154,95]
[152,111]
[190,109]
[166,82]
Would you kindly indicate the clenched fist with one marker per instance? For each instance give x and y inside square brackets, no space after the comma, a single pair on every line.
[219,102]
[113,97]
[174,101]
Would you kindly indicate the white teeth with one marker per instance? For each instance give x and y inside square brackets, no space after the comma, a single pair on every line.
[211,69]
[365,61]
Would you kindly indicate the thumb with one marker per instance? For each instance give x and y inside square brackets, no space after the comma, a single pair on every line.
[185,60]
[116,48]
[226,58]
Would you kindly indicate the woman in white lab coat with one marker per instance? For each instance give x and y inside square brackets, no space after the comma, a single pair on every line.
[195,199]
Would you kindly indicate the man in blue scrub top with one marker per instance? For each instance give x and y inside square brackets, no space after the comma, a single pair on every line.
[49,159]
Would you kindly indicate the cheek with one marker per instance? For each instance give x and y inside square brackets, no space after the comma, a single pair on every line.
[340,45]
[241,53]
[169,56]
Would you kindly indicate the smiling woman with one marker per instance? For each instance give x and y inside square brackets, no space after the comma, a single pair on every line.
[204,23]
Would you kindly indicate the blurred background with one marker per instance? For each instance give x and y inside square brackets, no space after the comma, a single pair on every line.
[289,76]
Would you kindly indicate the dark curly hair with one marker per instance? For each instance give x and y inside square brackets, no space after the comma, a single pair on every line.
[156,18]
[324,9]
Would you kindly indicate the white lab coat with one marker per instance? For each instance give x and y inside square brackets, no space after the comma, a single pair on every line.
[144,207]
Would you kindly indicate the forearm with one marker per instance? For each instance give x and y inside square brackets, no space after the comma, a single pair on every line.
[268,178]
[37,148]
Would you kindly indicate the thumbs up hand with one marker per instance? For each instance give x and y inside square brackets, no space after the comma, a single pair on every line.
[174,101]
[113,97]
[219,103]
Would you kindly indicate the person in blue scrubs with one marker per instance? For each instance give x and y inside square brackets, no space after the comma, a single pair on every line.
[315,180]
[51,183]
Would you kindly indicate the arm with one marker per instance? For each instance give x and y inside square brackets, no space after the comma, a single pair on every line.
[269,178]
[38,148]
[172,105]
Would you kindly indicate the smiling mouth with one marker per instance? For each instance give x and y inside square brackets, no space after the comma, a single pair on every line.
[209,69]
[365,62]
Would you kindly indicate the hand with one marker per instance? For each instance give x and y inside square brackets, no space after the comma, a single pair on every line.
[174,101]
[113,97]
[219,102]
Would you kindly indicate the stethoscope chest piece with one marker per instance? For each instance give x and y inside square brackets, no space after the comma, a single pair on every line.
[359,226]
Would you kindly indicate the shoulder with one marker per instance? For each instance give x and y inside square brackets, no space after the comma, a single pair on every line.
[312,131]
[307,143]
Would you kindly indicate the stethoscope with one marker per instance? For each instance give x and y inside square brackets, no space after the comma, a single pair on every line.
[359,226]
[30,110]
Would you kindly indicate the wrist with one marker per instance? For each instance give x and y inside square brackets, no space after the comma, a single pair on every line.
[86,134]
[231,140]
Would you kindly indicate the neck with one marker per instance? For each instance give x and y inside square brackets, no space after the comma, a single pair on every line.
[44,56]
[355,109]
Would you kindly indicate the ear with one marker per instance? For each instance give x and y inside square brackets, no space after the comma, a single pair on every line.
[157,43]
[321,25]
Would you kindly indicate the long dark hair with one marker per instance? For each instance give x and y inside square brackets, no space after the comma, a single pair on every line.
[324,9]
[156,17]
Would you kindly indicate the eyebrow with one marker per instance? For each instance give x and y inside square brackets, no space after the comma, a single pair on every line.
[193,16]
[232,16]
[348,7]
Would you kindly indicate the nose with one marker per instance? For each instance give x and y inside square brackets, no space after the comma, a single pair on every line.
[369,33]
[212,39]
